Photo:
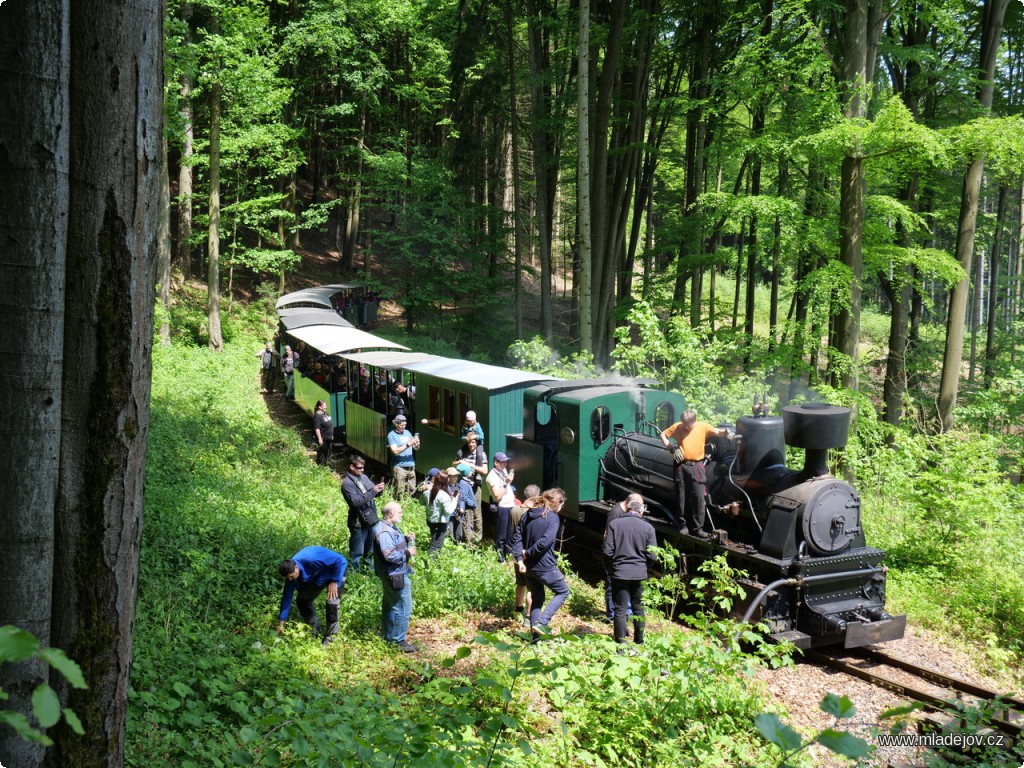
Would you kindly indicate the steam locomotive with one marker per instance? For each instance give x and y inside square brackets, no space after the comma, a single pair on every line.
[796,533]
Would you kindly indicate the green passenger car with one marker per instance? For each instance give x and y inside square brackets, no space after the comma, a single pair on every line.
[446,389]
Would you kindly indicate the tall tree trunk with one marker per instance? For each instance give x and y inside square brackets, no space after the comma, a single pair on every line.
[184,249]
[851,200]
[163,254]
[213,237]
[34,199]
[583,186]
[991,29]
[976,305]
[515,224]
[80,185]
[354,194]
[993,285]
[541,115]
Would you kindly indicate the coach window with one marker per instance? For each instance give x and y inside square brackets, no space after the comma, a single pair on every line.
[434,406]
[664,415]
[451,415]
[465,404]
[600,424]
[543,413]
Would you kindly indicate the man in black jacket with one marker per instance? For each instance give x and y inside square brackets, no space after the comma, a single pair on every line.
[627,543]
[360,492]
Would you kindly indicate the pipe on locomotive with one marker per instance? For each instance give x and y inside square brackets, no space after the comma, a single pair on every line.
[750,504]
[799,581]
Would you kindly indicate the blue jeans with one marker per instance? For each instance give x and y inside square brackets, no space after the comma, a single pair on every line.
[553,580]
[395,609]
[290,385]
[360,545]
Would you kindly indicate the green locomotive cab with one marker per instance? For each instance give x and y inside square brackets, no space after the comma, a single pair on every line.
[569,426]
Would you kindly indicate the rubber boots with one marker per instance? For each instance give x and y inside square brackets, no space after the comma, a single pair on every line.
[332,621]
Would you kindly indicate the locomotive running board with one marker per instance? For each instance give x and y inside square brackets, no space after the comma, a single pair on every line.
[861,633]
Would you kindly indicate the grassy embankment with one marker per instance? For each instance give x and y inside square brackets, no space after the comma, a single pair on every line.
[230,493]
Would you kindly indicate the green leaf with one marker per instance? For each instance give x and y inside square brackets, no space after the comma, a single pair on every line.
[67,667]
[778,733]
[182,690]
[845,744]
[246,735]
[838,706]
[45,705]
[73,722]
[463,651]
[242,758]
[23,727]
[900,711]
[16,644]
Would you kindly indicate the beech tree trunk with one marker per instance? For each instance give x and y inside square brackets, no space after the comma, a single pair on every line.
[80,195]
[184,249]
[992,26]
[213,235]
[993,289]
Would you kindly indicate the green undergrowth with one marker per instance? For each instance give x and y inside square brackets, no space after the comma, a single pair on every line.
[230,493]
[949,520]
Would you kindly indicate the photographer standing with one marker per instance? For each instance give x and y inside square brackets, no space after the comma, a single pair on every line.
[360,494]
[503,495]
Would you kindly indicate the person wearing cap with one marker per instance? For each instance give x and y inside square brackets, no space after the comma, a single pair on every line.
[503,498]
[401,445]
[627,554]
[472,454]
[690,437]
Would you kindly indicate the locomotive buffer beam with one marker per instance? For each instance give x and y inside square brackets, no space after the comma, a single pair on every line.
[855,633]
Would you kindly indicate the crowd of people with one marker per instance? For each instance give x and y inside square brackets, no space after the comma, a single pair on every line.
[452,499]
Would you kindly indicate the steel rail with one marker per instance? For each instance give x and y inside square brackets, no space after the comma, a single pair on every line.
[1003,724]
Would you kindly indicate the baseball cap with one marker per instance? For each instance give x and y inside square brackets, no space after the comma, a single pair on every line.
[434,472]
[464,469]
[452,472]
[400,419]
[499,456]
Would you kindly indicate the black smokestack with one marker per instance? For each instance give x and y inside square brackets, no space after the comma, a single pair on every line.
[817,428]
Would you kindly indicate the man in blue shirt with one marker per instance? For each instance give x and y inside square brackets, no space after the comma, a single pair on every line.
[403,463]
[309,571]
[392,553]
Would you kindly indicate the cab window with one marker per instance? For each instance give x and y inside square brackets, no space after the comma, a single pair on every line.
[600,424]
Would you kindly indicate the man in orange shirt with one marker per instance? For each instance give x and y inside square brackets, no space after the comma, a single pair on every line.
[688,458]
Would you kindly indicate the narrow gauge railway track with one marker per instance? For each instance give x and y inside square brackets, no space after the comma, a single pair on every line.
[1008,719]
